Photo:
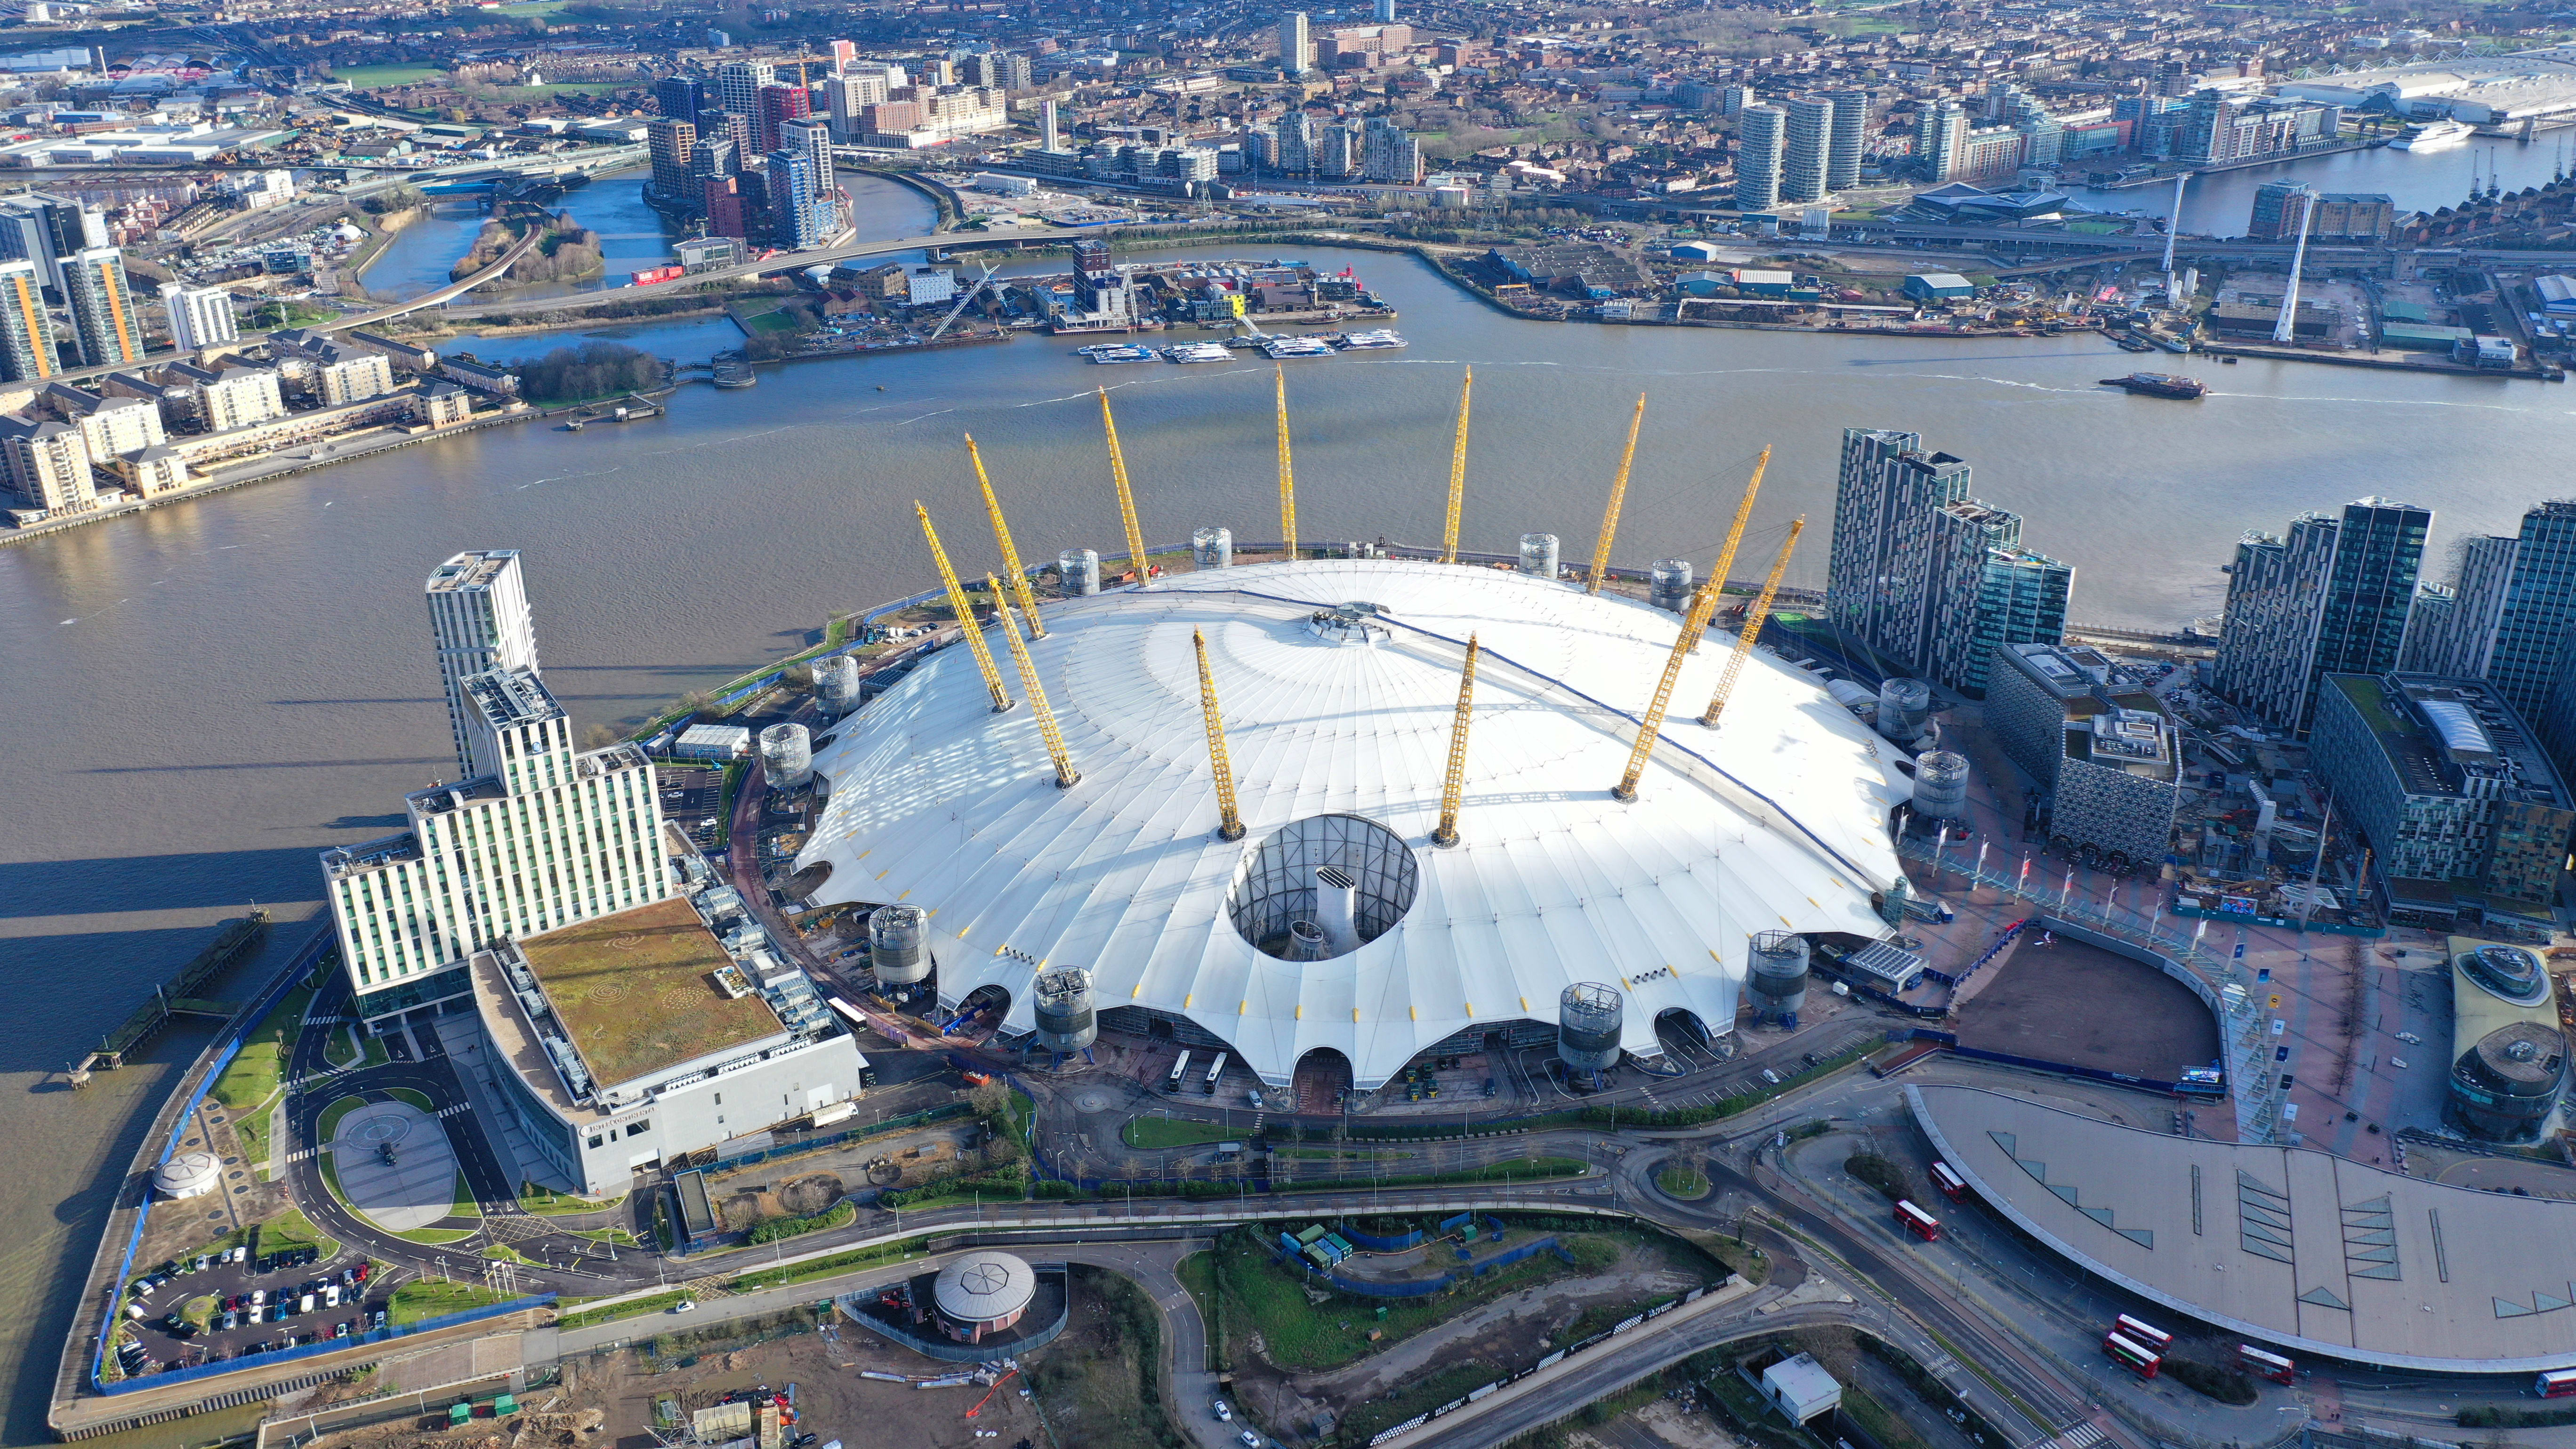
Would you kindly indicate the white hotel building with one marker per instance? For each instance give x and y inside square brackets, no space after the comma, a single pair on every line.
[478,609]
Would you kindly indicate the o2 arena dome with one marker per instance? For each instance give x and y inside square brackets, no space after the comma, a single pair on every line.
[1334,921]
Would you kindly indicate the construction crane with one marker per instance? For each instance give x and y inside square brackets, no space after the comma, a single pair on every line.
[1734,538]
[1002,536]
[1703,602]
[1752,626]
[1457,473]
[966,624]
[1229,823]
[1618,495]
[1066,776]
[961,303]
[1456,780]
[1126,499]
[1287,475]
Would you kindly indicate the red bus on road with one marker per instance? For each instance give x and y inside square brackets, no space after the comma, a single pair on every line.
[1915,1220]
[2135,1359]
[2267,1365]
[2144,1334]
[2556,1384]
[1952,1185]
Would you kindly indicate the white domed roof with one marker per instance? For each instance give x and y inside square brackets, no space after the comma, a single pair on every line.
[984,1287]
[1339,737]
[188,1174]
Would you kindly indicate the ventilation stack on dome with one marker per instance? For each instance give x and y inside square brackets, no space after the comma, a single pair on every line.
[786,756]
[1775,976]
[1538,555]
[1067,1020]
[1668,584]
[1212,548]
[836,685]
[1941,790]
[1077,573]
[1589,1019]
[1904,709]
[898,947]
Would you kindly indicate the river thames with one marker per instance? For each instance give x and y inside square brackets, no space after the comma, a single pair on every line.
[206,695]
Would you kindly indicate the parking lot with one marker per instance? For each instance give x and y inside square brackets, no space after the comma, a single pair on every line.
[239,1305]
[691,799]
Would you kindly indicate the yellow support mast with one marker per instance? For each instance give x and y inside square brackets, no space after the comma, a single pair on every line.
[1066,776]
[1618,495]
[1287,475]
[1457,473]
[1753,618]
[1126,499]
[1455,782]
[1002,536]
[1734,538]
[973,631]
[1229,822]
[1702,603]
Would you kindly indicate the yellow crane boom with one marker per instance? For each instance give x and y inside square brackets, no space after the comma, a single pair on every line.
[1066,776]
[1457,473]
[1734,538]
[966,624]
[1287,478]
[1229,822]
[1002,535]
[1618,495]
[1126,499]
[1455,782]
[1702,603]
[1753,618]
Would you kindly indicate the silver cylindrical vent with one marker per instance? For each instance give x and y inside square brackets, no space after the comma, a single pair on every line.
[1669,584]
[1588,1020]
[836,684]
[899,945]
[1212,548]
[1775,974]
[786,756]
[1941,785]
[1066,1018]
[1538,554]
[1904,708]
[1077,572]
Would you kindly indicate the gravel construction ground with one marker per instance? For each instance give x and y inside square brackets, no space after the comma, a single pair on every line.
[2087,1007]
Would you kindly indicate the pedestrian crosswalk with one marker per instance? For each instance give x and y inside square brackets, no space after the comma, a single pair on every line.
[2079,1436]
[454,1109]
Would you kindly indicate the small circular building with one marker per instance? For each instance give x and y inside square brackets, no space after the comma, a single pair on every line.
[188,1174]
[982,1293]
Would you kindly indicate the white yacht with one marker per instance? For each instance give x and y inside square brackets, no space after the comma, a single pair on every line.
[2432,136]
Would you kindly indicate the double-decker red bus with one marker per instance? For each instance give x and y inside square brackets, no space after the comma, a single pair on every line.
[2144,1334]
[2271,1365]
[1915,1220]
[1952,1185]
[2556,1384]
[2136,1358]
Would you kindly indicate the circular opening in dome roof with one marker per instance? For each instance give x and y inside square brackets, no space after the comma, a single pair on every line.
[2509,972]
[1322,887]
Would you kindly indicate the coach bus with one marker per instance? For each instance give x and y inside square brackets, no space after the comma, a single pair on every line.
[1180,1069]
[2268,1365]
[2141,1333]
[1918,1222]
[1216,1069]
[1952,1185]
[2135,1358]
[2556,1384]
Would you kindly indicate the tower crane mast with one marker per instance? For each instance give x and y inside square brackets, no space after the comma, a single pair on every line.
[965,613]
[1752,630]
[1618,495]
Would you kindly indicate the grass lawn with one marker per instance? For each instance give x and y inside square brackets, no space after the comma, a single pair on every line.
[547,1201]
[414,1098]
[199,1311]
[831,1267]
[340,1050]
[1421,1396]
[419,1299]
[1150,1132]
[367,76]
[251,1129]
[504,1253]
[464,1205]
[1687,1183]
[770,322]
[333,1115]
[586,1317]
[292,1229]
[252,1077]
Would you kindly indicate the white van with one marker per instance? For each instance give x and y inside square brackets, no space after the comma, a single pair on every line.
[330,1295]
[304,1304]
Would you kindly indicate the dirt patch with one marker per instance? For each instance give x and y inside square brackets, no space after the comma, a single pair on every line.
[2088,1007]
[810,1194]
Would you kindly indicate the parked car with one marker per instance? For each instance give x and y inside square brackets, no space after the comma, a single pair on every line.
[1224,1412]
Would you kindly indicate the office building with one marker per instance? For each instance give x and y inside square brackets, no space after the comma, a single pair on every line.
[680,98]
[1384,14]
[737,87]
[1100,289]
[48,466]
[2225,126]
[673,145]
[1761,134]
[26,331]
[2539,608]
[49,230]
[1940,141]
[478,614]
[1851,128]
[2464,813]
[2329,596]
[200,317]
[410,909]
[779,104]
[2108,758]
[1296,45]
[2335,216]
[2452,631]
[1928,576]
[102,307]
[1808,150]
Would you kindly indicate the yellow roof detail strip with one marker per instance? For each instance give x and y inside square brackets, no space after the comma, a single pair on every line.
[1188,997]
[1414,1012]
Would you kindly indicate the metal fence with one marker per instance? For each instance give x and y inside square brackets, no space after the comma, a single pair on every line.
[328,1345]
